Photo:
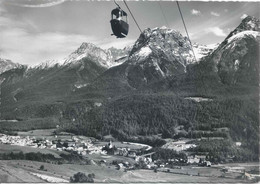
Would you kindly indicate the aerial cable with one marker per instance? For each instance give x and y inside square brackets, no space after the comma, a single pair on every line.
[202,79]
[186,30]
[133,16]
[163,14]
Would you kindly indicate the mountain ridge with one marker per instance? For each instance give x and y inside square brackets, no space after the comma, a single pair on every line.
[7,64]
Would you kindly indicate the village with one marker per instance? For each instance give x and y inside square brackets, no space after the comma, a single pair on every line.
[126,156]
[87,147]
[81,147]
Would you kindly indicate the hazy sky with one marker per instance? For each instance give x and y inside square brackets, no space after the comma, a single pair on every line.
[33,31]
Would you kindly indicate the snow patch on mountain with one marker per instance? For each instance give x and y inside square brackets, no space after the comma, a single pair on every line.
[91,51]
[201,51]
[236,64]
[249,23]
[105,58]
[236,58]
[6,64]
[47,64]
[243,34]
[145,51]
[163,41]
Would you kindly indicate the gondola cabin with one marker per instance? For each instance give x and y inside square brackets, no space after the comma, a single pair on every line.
[119,23]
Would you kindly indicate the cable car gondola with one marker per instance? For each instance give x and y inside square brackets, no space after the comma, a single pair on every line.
[119,23]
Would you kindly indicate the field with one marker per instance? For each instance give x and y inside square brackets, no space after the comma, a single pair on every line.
[38,132]
[45,133]
[6,148]
[21,171]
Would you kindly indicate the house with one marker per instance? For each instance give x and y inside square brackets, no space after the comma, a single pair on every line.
[121,152]
[74,138]
[53,146]
[205,164]
[103,161]
[151,165]
[48,144]
[69,144]
[196,159]
[132,154]
[238,144]
[70,148]
[79,144]
[120,166]
[193,159]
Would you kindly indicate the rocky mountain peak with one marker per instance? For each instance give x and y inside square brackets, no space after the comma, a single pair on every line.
[117,54]
[6,64]
[236,60]
[46,64]
[249,23]
[104,57]
[89,50]
[163,40]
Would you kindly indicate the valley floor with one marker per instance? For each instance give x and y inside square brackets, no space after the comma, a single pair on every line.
[17,171]
[28,171]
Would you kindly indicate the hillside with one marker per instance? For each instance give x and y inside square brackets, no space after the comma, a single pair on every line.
[30,92]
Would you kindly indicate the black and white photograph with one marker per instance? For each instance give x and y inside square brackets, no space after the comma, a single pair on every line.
[126,91]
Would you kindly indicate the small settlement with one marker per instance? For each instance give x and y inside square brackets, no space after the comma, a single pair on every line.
[81,147]
[87,147]
[126,158]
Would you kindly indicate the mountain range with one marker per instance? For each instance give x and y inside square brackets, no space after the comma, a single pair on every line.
[145,89]
[6,64]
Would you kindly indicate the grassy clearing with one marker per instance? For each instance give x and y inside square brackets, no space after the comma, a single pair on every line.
[6,148]
[40,132]
[46,133]
[30,124]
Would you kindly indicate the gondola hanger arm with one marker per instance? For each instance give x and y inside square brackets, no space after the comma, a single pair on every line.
[117,4]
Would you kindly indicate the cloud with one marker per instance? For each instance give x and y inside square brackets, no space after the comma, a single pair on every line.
[195,12]
[217,31]
[31,49]
[243,16]
[40,5]
[115,43]
[1,9]
[195,35]
[215,14]
[22,46]
[27,48]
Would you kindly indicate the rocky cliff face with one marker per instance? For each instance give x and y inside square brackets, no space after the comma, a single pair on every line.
[167,41]
[237,58]
[104,58]
[158,53]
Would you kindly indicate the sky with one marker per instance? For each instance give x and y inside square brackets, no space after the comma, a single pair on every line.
[33,31]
